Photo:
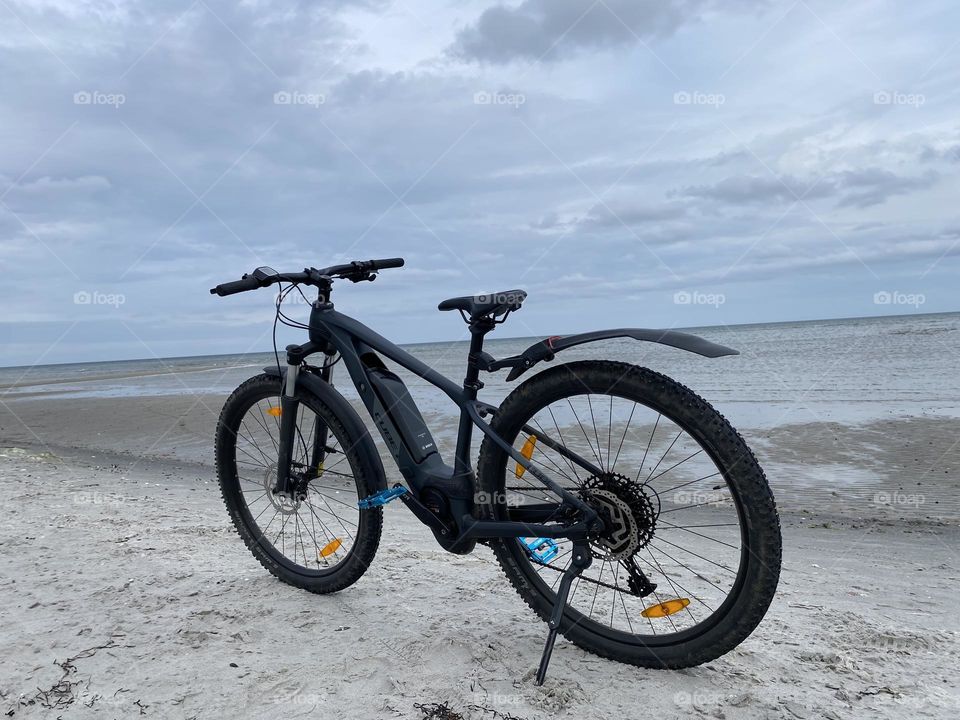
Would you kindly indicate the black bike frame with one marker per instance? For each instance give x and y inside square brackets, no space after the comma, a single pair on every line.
[399,420]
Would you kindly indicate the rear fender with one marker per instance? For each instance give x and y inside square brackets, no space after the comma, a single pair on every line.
[547,349]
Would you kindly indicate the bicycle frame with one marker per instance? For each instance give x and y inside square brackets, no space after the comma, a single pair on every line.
[398,419]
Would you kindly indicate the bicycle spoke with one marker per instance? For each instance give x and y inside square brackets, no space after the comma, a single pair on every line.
[610,432]
[592,449]
[676,527]
[623,437]
[663,572]
[686,567]
[663,456]
[253,442]
[674,587]
[649,480]
[564,443]
[649,442]
[687,507]
[680,547]
[596,434]
[677,487]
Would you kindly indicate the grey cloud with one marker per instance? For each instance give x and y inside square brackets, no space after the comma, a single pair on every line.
[873,186]
[551,29]
[751,189]
[860,188]
[631,213]
[950,153]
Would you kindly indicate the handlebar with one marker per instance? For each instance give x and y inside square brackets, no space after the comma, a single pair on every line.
[248,283]
[356,271]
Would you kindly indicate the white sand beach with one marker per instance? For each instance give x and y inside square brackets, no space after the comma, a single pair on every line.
[126,592]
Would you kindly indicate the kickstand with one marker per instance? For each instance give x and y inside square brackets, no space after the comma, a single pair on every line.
[580,562]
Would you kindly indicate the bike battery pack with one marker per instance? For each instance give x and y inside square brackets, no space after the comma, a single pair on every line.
[404,417]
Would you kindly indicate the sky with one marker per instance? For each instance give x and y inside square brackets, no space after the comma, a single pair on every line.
[650,163]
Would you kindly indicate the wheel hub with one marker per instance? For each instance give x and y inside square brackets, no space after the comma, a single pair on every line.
[628,512]
[282,502]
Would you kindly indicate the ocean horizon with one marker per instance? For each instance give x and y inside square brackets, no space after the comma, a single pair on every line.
[490,339]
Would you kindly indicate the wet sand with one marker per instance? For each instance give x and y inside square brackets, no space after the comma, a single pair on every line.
[905,468]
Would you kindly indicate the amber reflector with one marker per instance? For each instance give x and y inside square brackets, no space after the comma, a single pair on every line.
[527,452]
[667,607]
[275,411]
[330,548]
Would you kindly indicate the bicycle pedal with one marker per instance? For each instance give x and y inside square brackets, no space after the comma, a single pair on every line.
[381,498]
[543,550]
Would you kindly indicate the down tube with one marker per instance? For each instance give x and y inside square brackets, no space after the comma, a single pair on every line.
[345,331]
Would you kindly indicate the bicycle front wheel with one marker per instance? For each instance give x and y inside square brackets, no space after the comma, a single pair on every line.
[321,541]
[690,558]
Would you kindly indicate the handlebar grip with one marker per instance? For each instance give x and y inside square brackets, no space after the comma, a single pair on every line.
[237,286]
[388,263]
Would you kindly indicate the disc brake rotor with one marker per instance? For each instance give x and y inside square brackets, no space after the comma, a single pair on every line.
[282,503]
[628,513]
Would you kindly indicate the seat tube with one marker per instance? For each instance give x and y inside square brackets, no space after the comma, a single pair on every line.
[471,386]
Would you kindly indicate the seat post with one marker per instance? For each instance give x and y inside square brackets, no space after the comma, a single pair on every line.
[471,386]
[479,327]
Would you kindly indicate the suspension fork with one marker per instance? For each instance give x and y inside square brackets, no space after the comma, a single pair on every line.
[289,408]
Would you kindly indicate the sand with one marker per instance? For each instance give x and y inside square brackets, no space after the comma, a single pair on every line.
[125,592]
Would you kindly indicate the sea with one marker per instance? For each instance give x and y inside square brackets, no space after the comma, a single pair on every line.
[852,370]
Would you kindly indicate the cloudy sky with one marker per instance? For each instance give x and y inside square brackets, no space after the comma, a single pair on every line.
[628,162]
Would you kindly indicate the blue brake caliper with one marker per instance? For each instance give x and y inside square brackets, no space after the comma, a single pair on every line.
[381,498]
[543,550]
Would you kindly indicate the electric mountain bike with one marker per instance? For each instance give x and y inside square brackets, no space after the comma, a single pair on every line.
[625,511]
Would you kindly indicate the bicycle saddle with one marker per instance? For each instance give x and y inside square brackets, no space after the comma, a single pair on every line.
[477,305]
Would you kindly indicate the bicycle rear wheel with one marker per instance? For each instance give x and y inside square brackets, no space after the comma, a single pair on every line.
[322,541]
[690,560]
